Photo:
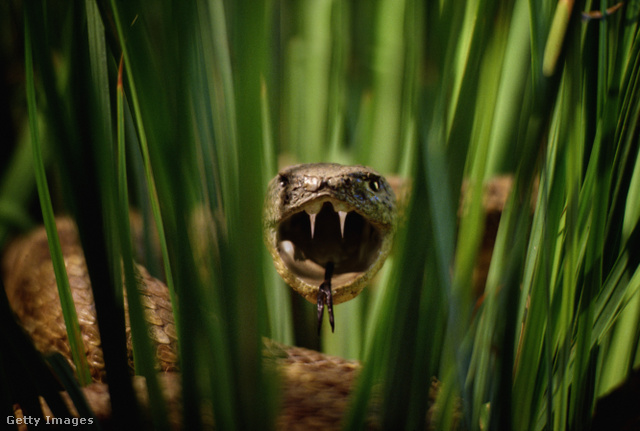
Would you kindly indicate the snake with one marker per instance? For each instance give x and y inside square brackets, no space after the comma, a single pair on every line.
[329,229]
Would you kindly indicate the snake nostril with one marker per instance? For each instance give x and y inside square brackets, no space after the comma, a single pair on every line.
[284,180]
[311,183]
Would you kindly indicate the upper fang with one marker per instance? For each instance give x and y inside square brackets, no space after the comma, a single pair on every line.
[312,219]
[343,217]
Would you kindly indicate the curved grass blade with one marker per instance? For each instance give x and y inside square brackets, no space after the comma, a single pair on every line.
[64,290]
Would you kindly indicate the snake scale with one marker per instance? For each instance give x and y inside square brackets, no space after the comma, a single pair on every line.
[316,217]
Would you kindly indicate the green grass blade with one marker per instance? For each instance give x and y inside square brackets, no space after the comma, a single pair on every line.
[144,358]
[277,294]
[64,290]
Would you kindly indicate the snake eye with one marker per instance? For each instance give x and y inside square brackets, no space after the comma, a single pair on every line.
[283,180]
[374,185]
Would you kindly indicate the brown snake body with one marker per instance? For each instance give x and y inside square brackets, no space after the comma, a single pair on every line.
[309,379]
[316,387]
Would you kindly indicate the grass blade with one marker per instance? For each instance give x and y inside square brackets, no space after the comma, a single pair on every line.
[64,290]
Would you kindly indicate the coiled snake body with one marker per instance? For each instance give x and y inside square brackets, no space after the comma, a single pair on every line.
[316,216]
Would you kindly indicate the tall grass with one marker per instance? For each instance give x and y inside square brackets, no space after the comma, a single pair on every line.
[211,94]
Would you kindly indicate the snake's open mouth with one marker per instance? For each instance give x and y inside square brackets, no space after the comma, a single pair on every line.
[327,230]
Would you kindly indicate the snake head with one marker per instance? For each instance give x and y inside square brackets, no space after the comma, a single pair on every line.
[325,212]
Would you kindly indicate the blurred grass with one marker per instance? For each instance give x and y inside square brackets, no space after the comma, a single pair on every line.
[214,94]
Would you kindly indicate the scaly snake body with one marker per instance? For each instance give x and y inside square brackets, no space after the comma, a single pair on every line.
[314,214]
[315,387]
